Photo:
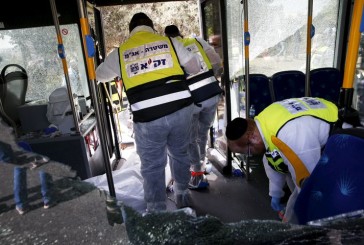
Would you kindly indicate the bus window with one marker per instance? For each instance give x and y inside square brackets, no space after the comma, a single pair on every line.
[278,32]
[212,33]
[212,29]
[358,100]
[35,49]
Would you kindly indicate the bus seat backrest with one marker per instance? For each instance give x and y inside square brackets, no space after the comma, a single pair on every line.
[326,83]
[13,90]
[335,186]
[288,84]
[2,89]
[260,92]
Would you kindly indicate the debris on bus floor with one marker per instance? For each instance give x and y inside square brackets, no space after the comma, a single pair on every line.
[179,227]
[77,214]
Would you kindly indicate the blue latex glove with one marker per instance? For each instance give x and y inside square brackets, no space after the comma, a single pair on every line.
[276,204]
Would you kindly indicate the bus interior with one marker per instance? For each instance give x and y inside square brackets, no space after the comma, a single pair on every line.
[271,50]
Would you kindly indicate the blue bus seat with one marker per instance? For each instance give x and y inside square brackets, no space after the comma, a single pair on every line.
[336,185]
[288,84]
[326,83]
[260,92]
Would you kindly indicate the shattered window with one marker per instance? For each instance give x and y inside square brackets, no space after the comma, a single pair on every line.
[278,31]
[278,37]
[35,49]
[358,100]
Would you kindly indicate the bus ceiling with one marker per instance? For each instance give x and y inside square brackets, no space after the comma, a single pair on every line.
[24,14]
[101,3]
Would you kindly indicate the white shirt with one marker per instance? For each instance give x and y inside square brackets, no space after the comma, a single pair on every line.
[110,68]
[214,57]
[306,136]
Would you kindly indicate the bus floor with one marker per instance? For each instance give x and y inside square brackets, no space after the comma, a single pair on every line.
[229,198]
[233,198]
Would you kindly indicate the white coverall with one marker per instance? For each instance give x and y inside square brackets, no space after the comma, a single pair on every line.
[306,136]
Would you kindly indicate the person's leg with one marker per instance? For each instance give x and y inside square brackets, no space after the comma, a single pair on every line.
[201,123]
[194,148]
[45,185]
[151,145]
[206,119]
[20,189]
[178,142]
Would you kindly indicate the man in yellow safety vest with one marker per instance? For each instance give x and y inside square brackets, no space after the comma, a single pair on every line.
[153,68]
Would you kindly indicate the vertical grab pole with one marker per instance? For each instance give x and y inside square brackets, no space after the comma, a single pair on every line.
[310,34]
[89,51]
[247,80]
[353,45]
[226,170]
[62,55]
[347,90]
[246,58]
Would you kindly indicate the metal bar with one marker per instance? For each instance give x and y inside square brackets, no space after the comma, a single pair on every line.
[353,46]
[227,170]
[92,77]
[62,55]
[85,117]
[113,122]
[247,80]
[246,58]
[308,48]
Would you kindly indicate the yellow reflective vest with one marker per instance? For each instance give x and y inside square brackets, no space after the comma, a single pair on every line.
[153,79]
[275,116]
[203,85]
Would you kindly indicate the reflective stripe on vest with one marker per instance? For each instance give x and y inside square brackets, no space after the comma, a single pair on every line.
[203,85]
[153,78]
[160,100]
[275,116]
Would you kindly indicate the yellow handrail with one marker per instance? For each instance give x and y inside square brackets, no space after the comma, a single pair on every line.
[353,45]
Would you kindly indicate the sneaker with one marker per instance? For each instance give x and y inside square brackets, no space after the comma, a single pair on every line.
[183,200]
[46,205]
[198,181]
[20,210]
[189,211]
[208,168]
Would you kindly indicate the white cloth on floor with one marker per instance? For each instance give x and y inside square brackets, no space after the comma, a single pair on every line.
[128,183]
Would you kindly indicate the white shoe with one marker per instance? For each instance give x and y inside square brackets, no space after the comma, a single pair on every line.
[21,211]
[208,168]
